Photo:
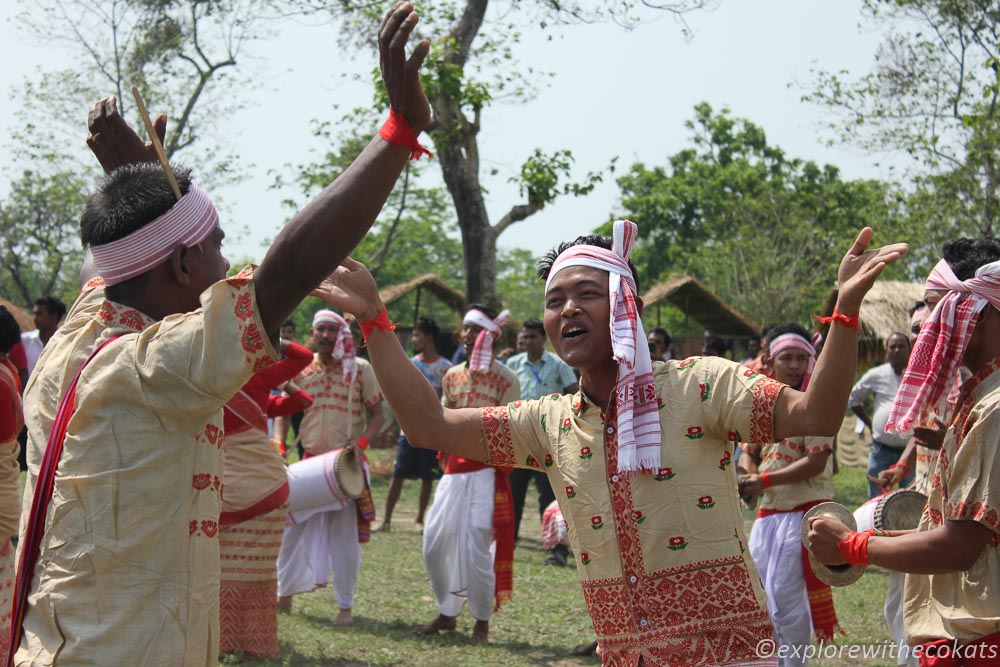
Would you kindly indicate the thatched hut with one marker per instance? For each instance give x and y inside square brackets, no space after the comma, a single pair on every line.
[427,295]
[24,320]
[886,309]
[691,297]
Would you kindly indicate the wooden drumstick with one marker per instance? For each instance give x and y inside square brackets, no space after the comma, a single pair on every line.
[160,153]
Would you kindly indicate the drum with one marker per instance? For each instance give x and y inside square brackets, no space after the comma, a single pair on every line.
[896,510]
[323,483]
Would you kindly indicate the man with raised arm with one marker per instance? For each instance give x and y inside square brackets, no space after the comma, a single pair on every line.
[119,554]
[951,606]
[640,458]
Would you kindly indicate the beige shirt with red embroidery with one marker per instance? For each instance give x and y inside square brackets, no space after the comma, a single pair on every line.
[779,455]
[339,410]
[460,388]
[661,555]
[965,485]
[128,571]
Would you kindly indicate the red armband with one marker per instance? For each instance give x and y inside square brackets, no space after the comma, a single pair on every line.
[765,479]
[854,547]
[900,464]
[362,442]
[849,321]
[381,321]
[396,130]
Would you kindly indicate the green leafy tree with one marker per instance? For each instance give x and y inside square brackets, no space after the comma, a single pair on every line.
[472,66]
[38,237]
[762,229]
[933,95]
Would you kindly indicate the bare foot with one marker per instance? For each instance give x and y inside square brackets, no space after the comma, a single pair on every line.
[285,604]
[343,617]
[384,528]
[480,633]
[439,624]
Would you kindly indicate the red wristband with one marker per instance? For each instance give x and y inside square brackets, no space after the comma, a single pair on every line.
[849,321]
[381,321]
[396,130]
[900,464]
[854,547]
[362,442]
[765,479]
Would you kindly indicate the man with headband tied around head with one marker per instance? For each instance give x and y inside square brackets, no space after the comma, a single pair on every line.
[641,461]
[951,603]
[119,553]
[473,506]
[346,412]
[795,474]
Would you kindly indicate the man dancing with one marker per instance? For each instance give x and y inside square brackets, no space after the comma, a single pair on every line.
[640,458]
[794,475]
[472,505]
[119,554]
[951,612]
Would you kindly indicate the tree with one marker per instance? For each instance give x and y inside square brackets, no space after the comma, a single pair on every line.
[763,230]
[933,94]
[468,70]
[38,237]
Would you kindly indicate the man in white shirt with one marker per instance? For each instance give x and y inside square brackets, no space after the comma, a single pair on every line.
[48,313]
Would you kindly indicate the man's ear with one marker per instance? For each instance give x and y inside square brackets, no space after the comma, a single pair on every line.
[180,270]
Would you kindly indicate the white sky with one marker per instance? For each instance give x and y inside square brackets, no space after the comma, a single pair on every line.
[615,93]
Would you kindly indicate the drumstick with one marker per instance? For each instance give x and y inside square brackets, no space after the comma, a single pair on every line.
[157,147]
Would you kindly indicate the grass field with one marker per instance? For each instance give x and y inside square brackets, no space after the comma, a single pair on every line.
[544,621]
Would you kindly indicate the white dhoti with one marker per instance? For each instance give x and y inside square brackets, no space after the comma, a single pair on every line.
[458,540]
[894,619]
[776,546]
[310,550]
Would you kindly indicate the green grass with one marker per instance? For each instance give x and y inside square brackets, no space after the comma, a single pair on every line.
[546,618]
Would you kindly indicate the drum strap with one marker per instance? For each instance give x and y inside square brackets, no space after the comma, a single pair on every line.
[44,485]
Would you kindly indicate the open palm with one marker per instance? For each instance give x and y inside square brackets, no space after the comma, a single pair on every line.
[351,289]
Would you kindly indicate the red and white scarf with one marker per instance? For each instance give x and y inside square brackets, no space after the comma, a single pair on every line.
[793,341]
[482,351]
[941,344]
[187,223]
[635,396]
[343,347]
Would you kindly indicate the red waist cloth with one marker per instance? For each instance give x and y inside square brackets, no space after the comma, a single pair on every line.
[824,616]
[984,652]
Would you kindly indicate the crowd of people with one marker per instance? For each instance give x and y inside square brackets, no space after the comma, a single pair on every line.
[157,525]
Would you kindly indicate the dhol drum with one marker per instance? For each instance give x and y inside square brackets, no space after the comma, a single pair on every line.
[895,510]
[323,483]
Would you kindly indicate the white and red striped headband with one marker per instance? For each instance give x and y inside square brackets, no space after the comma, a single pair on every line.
[187,223]
[793,341]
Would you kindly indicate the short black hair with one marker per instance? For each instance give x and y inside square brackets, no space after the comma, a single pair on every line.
[128,199]
[428,327]
[534,324]
[902,335]
[287,323]
[53,305]
[599,240]
[486,310]
[716,344]
[787,328]
[10,332]
[967,255]
[660,331]
[917,306]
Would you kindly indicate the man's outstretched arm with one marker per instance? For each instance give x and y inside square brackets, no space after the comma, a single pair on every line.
[412,398]
[820,409]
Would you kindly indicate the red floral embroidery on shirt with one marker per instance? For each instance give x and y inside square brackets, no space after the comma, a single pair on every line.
[706,390]
[727,459]
[131,319]
[201,481]
[570,492]
[209,527]
[706,502]
[596,522]
[765,395]
[192,527]
[585,558]
[548,461]
[663,474]
[637,516]
[244,306]
[687,363]
[213,433]
[495,427]
[695,433]
[677,543]
[585,453]
[106,312]
[532,461]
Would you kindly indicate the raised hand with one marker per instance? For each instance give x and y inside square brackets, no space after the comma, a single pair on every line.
[113,142]
[401,74]
[351,289]
[860,267]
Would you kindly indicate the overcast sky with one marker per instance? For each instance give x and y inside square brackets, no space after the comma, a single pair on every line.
[615,93]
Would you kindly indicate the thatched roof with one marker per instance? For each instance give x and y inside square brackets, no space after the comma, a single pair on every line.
[885,309]
[703,306]
[24,320]
[430,282]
